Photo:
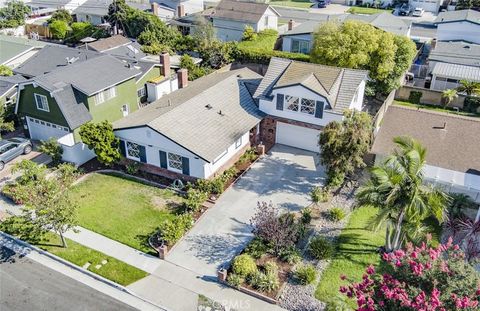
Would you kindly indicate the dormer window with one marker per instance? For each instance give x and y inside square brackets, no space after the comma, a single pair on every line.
[291,102]
[308,106]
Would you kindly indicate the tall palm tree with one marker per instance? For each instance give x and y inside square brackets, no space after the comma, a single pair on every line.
[448,96]
[397,188]
[469,87]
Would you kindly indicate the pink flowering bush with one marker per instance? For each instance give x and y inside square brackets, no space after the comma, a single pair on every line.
[419,278]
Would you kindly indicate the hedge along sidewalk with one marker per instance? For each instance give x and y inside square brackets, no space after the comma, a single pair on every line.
[77,273]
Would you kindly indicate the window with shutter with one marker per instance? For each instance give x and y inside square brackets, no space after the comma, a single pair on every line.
[280,99]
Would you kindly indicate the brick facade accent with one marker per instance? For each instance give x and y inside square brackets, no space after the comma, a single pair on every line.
[268,129]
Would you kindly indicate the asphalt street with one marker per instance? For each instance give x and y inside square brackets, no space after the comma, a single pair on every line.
[28,285]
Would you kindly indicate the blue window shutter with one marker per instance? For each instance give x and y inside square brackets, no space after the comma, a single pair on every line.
[280,99]
[163,159]
[122,148]
[319,109]
[143,154]
[185,166]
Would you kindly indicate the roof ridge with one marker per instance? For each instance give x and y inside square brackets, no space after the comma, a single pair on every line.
[342,73]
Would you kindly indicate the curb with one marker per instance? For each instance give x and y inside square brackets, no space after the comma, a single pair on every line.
[77,268]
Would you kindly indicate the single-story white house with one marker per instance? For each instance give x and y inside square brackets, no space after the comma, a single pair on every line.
[301,98]
[199,130]
[452,143]
[461,25]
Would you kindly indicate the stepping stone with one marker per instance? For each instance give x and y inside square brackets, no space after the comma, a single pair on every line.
[98,267]
[86,265]
[104,262]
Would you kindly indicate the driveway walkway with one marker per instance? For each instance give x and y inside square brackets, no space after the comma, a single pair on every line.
[285,177]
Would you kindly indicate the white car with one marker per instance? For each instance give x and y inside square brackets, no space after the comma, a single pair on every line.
[418,12]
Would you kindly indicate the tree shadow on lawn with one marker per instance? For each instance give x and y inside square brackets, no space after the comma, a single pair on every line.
[143,239]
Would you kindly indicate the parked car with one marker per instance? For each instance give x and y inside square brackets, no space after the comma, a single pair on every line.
[405,9]
[418,12]
[12,148]
[323,3]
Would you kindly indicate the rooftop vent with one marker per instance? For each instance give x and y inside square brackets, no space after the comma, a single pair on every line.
[208,106]
[221,113]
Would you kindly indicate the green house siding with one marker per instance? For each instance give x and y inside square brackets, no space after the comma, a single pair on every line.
[28,107]
[152,73]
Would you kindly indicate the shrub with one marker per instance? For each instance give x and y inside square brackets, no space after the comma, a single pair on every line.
[235,280]
[171,230]
[58,29]
[306,274]
[458,204]
[257,248]
[249,156]
[319,194]
[217,185]
[415,97]
[336,214]
[265,282]
[271,267]
[291,255]
[471,104]
[132,167]
[194,199]
[306,215]
[321,248]
[244,265]
[52,148]
[249,34]
[335,179]
[229,174]
[203,185]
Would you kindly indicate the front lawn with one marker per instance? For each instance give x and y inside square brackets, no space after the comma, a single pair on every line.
[113,269]
[124,210]
[365,10]
[357,248]
[303,4]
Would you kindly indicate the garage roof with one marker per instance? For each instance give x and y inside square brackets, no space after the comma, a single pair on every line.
[458,72]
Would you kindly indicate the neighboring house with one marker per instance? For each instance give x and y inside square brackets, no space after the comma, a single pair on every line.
[118,46]
[452,143]
[301,98]
[15,50]
[299,38]
[199,130]
[94,11]
[461,25]
[450,62]
[230,18]
[8,90]
[428,5]
[168,9]
[57,103]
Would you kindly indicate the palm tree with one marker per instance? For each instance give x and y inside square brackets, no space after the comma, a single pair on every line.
[448,96]
[469,87]
[396,188]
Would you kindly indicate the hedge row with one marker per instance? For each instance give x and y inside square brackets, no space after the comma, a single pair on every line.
[263,57]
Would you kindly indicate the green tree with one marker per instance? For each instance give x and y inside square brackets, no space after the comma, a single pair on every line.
[81,30]
[5,71]
[359,45]
[52,148]
[13,14]
[61,15]
[448,97]
[396,188]
[469,87]
[100,138]
[249,34]
[58,29]
[194,71]
[343,145]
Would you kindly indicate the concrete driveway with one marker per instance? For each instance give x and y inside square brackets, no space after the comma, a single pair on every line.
[285,177]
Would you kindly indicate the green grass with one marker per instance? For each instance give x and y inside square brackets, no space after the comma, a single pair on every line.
[365,10]
[302,4]
[357,248]
[436,108]
[123,210]
[265,41]
[114,270]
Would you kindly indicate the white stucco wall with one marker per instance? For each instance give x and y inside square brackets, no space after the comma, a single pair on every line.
[154,142]
[442,85]
[190,6]
[269,20]
[94,19]
[427,5]
[287,41]
[78,153]
[465,31]
[156,91]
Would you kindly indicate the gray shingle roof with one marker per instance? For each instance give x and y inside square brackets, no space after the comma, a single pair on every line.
[112,42]
[89,76]
[183,115]
[458,16]
[52,57]
[243,11]
[9,82]
[456,52]
[384,21]
[460,136]
[338,85]
[458,72]
[74,113]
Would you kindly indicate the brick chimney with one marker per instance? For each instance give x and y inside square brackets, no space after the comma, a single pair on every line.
[155,8]
[291,24]
[180,10]
[182,78]
[165,62]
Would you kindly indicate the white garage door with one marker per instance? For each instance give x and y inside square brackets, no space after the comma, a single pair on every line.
[297,136]
[42,130]
[427,5]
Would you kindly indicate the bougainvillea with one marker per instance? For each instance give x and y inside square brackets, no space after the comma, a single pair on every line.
[420,278]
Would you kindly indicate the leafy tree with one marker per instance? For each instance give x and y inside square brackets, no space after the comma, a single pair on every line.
[469,87]
[5,71]
[396,188]
[100,138]
[52,148]
[13,15]
[194,71]
[449,96]
[81,30]
[61,15]
[343,145]
[467,4]
[249,34]
[58,29]
[356,44]
[5,125]
[203,33]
